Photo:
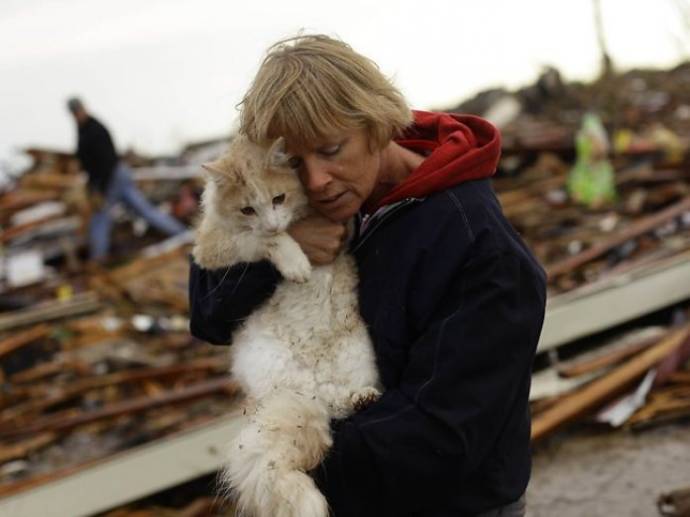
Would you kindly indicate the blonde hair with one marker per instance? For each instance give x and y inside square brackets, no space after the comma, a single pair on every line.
[310,86]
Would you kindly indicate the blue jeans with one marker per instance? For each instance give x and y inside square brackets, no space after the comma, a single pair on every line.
[122,189]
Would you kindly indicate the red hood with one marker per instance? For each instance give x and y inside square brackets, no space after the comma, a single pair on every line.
[458,148]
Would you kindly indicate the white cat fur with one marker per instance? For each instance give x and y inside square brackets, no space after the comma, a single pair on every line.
[304,356]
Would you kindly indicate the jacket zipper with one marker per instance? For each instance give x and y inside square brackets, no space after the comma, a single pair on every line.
[375,221]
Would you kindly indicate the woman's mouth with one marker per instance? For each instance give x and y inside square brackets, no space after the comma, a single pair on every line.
[331,199]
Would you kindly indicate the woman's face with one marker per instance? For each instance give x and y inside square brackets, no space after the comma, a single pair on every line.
[338,173]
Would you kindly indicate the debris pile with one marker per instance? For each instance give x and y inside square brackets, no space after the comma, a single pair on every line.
[97,359]
[646,115]
[636,380]
[630,133]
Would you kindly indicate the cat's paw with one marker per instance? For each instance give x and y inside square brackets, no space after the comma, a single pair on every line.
[364,397]
[296,268]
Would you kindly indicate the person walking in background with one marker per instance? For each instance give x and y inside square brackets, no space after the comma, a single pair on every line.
[110,182]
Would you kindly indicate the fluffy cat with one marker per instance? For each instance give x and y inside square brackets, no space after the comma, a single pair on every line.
[304,356]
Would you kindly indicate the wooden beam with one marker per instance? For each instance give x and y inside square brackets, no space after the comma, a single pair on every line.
[58,394]
[21,449]
[12,343]
[602,389]
[67,419]
[139,471]
[635,229]
[580,367]
[80,304]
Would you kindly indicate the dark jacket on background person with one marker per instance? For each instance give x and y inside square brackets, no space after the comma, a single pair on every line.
[96,152]
[454,303]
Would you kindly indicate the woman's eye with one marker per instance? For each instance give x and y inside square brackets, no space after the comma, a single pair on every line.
[331,150]
[248,210]
[278,200]
[294,162]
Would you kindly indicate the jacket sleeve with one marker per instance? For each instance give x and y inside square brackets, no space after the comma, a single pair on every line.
[219,300]
[109,160]
[465,376]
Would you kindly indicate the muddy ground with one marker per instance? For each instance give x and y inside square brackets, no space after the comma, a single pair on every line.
[589,473]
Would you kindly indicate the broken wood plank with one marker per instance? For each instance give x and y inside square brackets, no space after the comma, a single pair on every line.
[604,388]
[19,199]
[21,229]
[576,367]
[21,449]
[57,395]
[12,343]
[81,303]
[679,378]
[42,370]
[635,229]
[67,419]
[141,265]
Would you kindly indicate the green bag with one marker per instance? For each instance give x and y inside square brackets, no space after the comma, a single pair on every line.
[591,181]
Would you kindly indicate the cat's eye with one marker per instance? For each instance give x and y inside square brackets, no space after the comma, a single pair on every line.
[278,200]
[295,162]
[248,210]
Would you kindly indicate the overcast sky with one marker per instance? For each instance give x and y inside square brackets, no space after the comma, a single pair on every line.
[162,73]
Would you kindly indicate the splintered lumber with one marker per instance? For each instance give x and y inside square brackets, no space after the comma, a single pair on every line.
[616,356]
[58,395]
[80,304]
[21,449]
[660,409]
[21,229]
[12,343]
[68,420]
[600,390]
[141,266]
[16,200]
[679,377]
[47,180]
[636,229]
[41,370]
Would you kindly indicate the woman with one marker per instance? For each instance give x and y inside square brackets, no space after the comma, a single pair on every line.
[453,299]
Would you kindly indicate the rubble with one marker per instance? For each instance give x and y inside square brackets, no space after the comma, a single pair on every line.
[97,359]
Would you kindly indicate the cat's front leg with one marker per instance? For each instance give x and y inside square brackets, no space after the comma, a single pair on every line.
[289,258]
[364,397]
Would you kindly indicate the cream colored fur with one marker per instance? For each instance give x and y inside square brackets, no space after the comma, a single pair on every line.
[304,356]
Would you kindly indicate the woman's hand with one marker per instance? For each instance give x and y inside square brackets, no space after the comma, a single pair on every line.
[321,239]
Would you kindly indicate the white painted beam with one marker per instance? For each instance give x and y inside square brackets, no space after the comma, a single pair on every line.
[129,475]
[622,298]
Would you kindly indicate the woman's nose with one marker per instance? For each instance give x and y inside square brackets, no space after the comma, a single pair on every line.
[315,175]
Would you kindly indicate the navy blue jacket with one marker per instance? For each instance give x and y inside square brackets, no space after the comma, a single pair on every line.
[96,152]
[454,302]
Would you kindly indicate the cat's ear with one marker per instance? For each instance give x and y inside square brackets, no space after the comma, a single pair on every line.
[277,155]
[219,171]
[214,168]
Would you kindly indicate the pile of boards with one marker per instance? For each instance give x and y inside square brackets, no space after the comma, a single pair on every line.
[98,359]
